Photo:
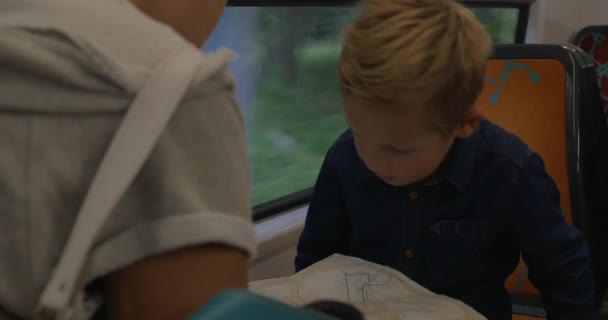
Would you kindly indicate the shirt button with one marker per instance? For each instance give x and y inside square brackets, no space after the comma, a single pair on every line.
[413,195]
[409,254]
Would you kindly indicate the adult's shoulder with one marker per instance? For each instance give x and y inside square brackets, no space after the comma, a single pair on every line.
[101,52]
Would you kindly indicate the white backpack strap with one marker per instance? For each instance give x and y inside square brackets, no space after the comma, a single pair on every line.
[136,136]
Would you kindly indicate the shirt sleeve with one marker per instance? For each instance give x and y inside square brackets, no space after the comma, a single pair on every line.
[193,189]
[326,230]
[555,252]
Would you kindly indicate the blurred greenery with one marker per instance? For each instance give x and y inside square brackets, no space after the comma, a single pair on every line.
[501,23]
[296,113]
[295,124]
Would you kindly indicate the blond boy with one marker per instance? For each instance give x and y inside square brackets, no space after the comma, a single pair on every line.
[422,183]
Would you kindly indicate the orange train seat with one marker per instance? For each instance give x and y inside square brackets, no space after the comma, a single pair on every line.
[548,96]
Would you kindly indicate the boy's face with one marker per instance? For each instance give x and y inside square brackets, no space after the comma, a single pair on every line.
[400,147]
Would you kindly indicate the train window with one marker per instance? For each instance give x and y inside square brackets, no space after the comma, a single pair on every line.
[502,23]
[287,88]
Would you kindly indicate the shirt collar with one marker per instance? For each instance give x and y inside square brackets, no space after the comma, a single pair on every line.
[457,167]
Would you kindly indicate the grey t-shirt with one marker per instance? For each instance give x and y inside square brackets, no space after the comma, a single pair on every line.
[68,71]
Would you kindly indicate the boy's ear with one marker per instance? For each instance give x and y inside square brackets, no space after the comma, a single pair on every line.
[468,126]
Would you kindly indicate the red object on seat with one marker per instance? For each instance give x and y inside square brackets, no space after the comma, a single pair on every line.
[594,40]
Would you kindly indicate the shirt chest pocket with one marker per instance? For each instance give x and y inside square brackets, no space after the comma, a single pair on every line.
[455,244]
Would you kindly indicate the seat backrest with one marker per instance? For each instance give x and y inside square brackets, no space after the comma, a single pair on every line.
[594,40]
[534,91]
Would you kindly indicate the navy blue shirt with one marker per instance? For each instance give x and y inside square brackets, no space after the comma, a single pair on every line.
[459,232]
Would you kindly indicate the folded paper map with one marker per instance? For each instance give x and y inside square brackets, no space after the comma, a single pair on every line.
[377,291]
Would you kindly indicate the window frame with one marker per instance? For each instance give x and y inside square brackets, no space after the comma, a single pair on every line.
[282,204]
[522,19]
[522,5]
[297,199]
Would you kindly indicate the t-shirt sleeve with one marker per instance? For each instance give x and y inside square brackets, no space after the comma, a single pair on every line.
[194,188]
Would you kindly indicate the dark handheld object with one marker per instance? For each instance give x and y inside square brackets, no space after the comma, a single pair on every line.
[239,304]
[338,310]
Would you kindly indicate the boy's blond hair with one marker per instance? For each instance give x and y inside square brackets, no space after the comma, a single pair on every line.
[432,52]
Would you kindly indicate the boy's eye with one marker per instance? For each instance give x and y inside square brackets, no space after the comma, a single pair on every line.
[401,151]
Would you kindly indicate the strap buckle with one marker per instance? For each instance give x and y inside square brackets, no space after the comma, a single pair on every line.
[82,308]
